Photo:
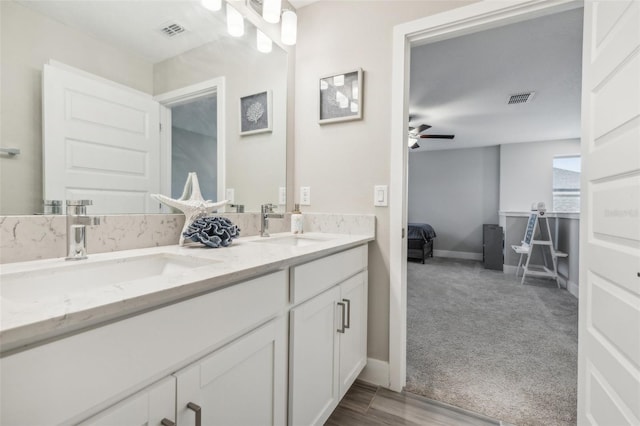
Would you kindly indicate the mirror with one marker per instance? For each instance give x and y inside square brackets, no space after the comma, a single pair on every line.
[160,49]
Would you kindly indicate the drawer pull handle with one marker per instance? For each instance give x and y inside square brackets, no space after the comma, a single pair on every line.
[167,422]
[348,302]
[344,311]
[198,410]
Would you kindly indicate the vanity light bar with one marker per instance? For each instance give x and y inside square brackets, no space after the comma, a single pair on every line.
[289,30]
[235,22]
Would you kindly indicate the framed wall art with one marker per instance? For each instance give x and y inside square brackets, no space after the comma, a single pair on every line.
[255,113]
[341,97]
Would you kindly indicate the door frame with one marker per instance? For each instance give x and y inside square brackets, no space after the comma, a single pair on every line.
[191,92]
[460,21]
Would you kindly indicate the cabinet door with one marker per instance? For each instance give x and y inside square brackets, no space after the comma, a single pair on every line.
[314,386]
[243,383]
[353,342]
[147,407]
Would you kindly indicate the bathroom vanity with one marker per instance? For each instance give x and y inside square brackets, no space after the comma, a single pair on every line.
[267,331]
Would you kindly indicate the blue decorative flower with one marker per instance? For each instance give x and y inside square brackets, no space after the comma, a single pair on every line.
[212,231]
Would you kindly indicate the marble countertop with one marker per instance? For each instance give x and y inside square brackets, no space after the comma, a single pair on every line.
[35,319]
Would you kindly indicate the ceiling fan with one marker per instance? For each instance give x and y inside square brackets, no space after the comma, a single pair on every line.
[415,133]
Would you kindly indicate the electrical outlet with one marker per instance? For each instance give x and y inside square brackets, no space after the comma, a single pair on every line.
[231,195]
[305,195]
[282,196]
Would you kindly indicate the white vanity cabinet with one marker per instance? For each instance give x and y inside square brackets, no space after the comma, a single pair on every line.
[152,406]
[282,348]
[70,379]
[328,334]
[243,383]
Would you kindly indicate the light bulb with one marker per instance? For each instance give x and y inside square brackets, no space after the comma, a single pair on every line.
[289,27]
[235,22]
[212,5]
[263,43]
[271,10]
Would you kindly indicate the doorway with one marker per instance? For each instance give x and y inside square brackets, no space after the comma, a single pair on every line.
[466,20]
[193,138]
[194,145]
[476,338]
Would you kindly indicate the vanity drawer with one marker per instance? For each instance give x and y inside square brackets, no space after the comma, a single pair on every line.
[68,379]
[314,277]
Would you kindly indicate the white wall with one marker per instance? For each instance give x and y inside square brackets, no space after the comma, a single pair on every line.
[456,191]
[256,164]
[342,162]
[28,41]
[526,172]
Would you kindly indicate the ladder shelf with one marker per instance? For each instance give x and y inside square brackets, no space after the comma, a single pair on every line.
[538,222]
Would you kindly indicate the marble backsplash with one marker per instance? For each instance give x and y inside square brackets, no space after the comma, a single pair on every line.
[24,238]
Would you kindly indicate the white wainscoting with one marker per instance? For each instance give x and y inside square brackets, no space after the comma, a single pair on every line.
[457,254]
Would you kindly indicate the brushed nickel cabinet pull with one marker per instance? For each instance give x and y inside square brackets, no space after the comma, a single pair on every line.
[348,302]
[344,311]
[198,410]
[167,422]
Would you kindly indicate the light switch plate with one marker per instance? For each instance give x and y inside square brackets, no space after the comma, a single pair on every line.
[305,195]
[231,195]
[282,195]
[380,196]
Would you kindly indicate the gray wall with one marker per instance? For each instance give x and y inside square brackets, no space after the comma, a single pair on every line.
[194,152]
[28,40]
[526,172]
[455,191]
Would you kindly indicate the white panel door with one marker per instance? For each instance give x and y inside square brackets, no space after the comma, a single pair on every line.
[313,371]
[609,339]
[101,141]
[353,342]
[241,384]
[147,407]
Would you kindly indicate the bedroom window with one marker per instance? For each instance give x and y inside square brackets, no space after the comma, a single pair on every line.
[566,183]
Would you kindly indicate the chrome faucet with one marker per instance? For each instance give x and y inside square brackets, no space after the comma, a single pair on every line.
[266,213]
[77,221]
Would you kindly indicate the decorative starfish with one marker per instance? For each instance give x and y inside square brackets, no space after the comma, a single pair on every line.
[191,203]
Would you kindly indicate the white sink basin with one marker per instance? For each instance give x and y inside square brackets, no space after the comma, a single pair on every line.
[293,240]
[76,277]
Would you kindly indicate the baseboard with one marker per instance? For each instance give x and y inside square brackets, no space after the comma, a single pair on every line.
[457,254]
[376,372]
[509,269]
[570,286]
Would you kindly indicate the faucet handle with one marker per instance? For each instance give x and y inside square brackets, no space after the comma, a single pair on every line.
[79,202]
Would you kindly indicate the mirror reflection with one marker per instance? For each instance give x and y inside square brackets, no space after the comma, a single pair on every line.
[87,86]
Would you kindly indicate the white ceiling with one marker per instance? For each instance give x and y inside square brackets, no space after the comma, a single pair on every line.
[134,26]
[461,85]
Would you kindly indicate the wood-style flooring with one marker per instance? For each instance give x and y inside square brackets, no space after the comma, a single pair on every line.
[367,405]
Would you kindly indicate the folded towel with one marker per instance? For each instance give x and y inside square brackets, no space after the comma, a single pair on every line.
[212,231]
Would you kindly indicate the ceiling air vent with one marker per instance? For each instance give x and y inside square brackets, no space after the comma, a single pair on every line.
[521,98]
[172,29]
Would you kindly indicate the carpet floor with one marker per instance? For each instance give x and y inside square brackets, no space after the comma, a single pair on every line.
[479,340]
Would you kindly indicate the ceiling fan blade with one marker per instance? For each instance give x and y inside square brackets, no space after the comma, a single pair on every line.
[421,128]
[415,145]
[437,136]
